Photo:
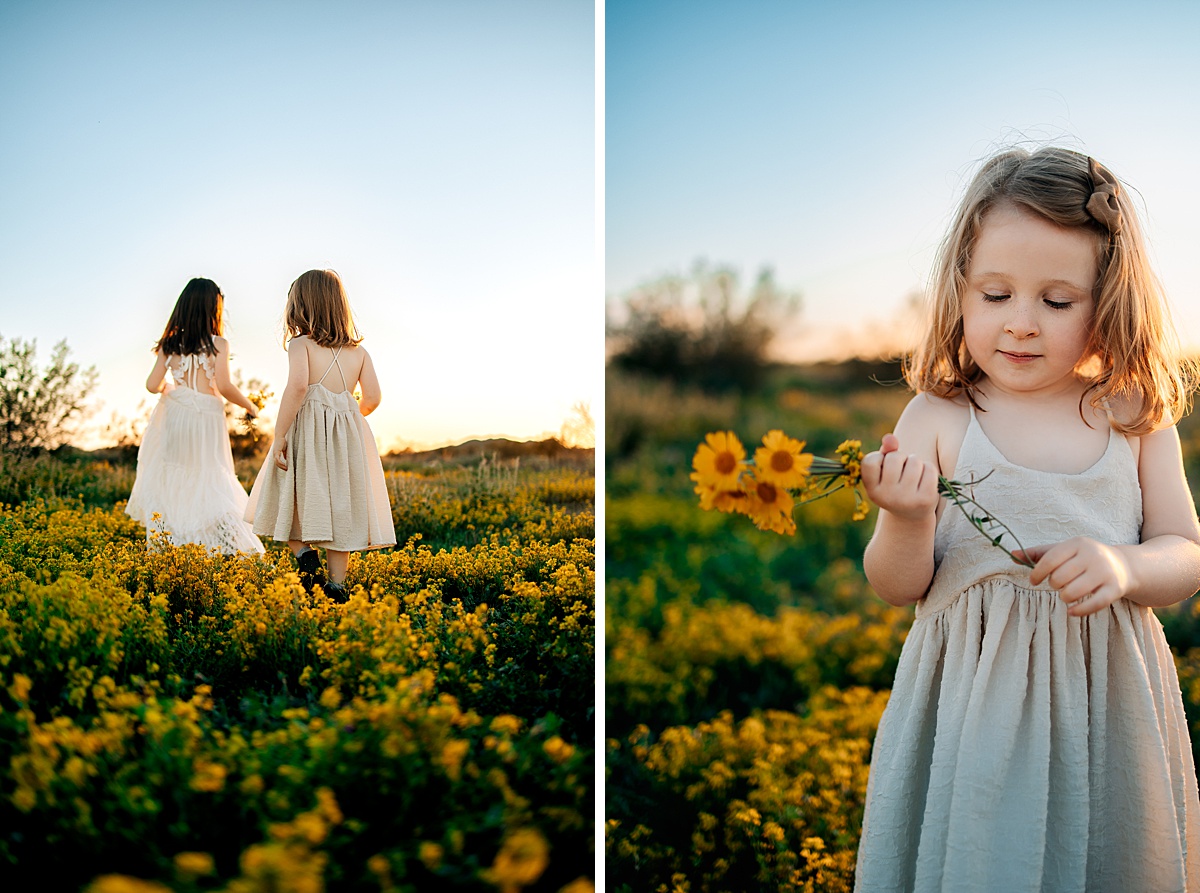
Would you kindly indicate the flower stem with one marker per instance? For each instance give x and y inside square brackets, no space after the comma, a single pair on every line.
[986,523]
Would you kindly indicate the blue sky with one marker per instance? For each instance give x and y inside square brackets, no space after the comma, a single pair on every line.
[830,141]
[439,156]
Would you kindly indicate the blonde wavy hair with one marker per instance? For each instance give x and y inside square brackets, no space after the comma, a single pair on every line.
[317,306]
[1133,351]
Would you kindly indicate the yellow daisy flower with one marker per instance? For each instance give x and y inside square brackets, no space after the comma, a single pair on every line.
[780,460]
[720,500]
[718,461]
[770,506]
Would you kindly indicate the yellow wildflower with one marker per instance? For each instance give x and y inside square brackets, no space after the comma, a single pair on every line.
[20,687]
[781,460]
[769,506]
[718,461]
[721,500]
[557,749]
[579,885]
[123,883]
[25,799]
[506,722]
[193,865]
[208,776]
[523,857]
[430,854]
[251,784]
[327,806]
[452,757]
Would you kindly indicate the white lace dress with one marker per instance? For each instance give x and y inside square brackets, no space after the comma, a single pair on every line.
[1023,749]
[186,489]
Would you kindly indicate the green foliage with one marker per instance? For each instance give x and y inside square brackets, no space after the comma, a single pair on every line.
[165,706]
[38,405]
[64,474]
[746,671]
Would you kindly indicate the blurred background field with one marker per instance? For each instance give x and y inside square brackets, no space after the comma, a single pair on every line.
[746,671]
[177,720]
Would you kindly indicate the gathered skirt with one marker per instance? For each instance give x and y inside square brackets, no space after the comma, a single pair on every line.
[1027,751]
[333,493]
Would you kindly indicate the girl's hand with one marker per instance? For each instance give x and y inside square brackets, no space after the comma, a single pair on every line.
[904,485]
[1088,575]
[279,454]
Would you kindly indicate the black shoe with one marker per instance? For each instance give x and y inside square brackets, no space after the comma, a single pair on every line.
[309,562]
[336,592]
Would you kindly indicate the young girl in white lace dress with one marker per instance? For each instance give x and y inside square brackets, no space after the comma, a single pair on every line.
[186,489]
[322,483]
[1035,739]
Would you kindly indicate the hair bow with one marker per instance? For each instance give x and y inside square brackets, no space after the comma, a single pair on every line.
[1102,205]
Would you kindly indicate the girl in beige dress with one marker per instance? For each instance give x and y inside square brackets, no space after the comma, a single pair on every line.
[322,483]
[1035,739]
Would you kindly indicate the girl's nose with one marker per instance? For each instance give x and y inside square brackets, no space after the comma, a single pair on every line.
[1021,323]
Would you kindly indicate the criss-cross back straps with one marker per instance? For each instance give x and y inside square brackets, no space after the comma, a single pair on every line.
[335,362]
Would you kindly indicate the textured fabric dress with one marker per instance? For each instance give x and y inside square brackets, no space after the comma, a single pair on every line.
[1023,749]
[333,493]
[185,487]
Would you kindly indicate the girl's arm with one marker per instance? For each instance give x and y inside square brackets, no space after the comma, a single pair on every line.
[369,384]
[224,384]
[293,396]
[1161,570]
[154,383]
[901,478]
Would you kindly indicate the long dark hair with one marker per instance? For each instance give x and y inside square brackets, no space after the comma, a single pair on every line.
[196,318]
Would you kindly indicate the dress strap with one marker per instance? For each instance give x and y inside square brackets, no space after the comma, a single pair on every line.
[339,368]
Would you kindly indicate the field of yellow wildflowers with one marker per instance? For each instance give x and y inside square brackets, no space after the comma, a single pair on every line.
[172,720]
[746,671]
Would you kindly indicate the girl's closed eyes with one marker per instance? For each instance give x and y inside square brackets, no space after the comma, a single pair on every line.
[1049,302]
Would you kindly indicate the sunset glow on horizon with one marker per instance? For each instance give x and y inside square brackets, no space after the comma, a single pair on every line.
[443,164]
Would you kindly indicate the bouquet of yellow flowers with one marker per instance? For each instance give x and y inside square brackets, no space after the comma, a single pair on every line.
[783,476]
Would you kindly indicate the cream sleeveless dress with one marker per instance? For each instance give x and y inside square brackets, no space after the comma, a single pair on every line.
[185,488]
[1023,749]
[333,493]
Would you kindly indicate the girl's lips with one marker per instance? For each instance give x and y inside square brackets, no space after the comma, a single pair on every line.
[1019,357]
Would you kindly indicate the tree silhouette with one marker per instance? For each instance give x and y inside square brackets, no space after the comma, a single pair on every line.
[37,406]
[700,329]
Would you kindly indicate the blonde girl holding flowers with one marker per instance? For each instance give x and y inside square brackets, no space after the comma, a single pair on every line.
[1035,739]
[322,483]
